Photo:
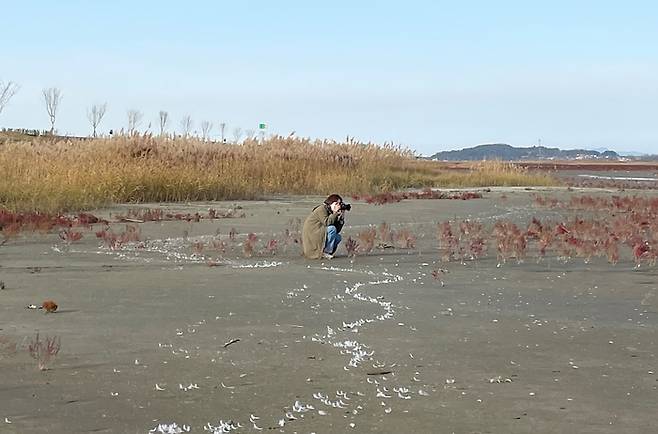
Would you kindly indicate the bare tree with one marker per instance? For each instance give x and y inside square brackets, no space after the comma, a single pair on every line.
[206,126]
[237,134]
[222,126]
[164,119]
[186,125]
[95,115]
[134,120]
[7,90]
[250,134]
[52,97]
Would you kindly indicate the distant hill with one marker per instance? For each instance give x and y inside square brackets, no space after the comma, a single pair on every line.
[501,151]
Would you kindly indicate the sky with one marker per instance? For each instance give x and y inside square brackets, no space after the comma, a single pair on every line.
[427,75]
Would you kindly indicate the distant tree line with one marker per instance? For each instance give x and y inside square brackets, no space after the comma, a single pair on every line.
[53,96]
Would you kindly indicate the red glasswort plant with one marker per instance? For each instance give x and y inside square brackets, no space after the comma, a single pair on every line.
[352,247]
[385,235]
[272,246]
[404,238]
[472,240]
[44,351]
[540,233]
[292,235]
[510,241]
[198,247]
[113,240]
[218,244]
[642,251]
[249,245]
[367,239]
[438,273]
[448,242]
[469,244]
[69,236]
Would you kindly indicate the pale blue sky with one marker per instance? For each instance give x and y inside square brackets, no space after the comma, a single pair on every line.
[431,75]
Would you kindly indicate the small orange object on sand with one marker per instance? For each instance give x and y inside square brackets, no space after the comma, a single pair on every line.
[49,305]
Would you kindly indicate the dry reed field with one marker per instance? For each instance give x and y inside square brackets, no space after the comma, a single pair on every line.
[58,175]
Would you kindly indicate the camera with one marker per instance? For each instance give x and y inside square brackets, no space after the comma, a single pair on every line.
[345,206]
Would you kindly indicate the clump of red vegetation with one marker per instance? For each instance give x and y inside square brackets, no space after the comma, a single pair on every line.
[630,221]
[114,240]
[13,223]
[467,244]
[511,242]
[156,215]
[380,237]
[69,235]
[605,227]
[250,245]
[619,184]
[428,193]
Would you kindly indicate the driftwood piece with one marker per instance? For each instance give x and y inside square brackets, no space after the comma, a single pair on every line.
[129,220]
[379,372]
[231,342]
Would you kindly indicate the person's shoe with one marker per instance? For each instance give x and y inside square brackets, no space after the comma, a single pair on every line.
[326,255]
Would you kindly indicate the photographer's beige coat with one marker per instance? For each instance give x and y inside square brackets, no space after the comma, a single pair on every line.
[314,233]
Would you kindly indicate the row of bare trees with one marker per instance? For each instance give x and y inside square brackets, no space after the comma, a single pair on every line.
[53,97]
[186,127]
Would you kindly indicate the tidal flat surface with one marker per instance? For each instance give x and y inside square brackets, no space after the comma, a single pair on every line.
[162,332]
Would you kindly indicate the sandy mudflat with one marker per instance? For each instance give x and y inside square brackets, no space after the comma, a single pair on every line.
[374,345]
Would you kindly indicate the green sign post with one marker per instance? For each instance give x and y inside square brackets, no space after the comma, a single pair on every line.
[261,131]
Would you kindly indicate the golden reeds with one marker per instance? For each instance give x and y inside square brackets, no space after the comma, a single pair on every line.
[494,173]
[42,174]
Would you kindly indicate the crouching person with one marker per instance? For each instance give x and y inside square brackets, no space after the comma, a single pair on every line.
[321,232]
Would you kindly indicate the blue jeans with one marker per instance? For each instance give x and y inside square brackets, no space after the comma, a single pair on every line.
[333,239]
